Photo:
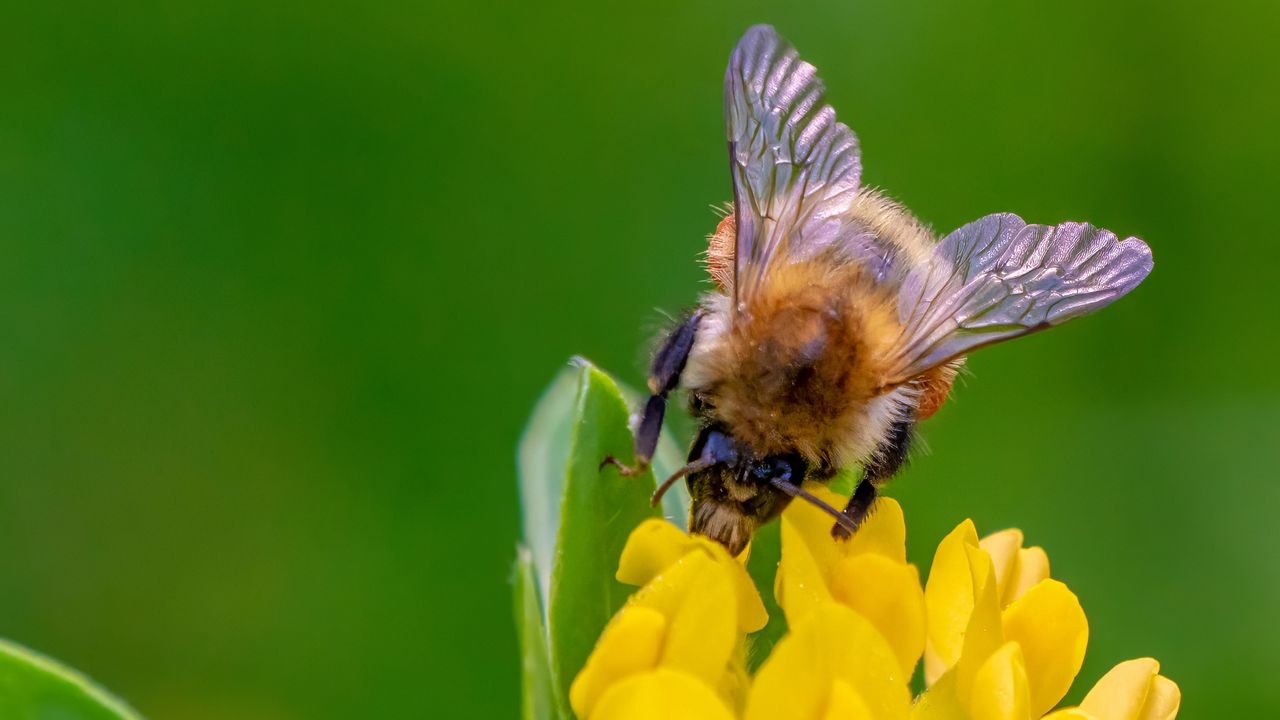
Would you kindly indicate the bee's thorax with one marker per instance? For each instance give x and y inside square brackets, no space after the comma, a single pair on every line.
[801,372]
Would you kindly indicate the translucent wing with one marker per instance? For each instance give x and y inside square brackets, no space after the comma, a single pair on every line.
[998,278]
[795,169]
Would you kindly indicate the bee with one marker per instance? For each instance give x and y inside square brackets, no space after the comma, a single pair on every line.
[838,320]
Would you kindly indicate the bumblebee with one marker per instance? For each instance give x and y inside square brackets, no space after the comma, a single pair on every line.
[838,320]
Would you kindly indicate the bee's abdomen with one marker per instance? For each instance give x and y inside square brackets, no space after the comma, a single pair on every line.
[935,386]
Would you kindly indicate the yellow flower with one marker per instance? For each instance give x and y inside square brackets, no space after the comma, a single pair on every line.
[1023,642]
[660,693]
[656,545]
[1005,641]
[833,664]
[1132,690]
[1001,639]
[676,637]
[869,573]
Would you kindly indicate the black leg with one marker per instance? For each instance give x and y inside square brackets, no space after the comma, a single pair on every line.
[664,376]
[857,509]
[888,459]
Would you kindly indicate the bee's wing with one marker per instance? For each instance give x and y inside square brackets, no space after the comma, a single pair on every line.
[998,277]
[795,168]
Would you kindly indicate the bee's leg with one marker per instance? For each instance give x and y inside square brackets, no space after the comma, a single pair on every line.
[857,509]
[888,459]
[664,376]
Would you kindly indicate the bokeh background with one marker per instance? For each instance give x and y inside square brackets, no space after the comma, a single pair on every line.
[279,283]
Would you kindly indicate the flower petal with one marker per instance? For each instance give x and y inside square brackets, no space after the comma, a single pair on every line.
[812,526]
[1069,714]
[832,643]
[656,545]
[1163,701]
[751,613]
[662,693]
[801,583]
[844,703]
[652,547]
[948,600]
[1051,627]
[1000,689]
[983,634]
[884,532]
[630,643]
[1133,690]
[1017,568]
[700,604]
[1003,548]
[962,609]
[939,702]
[887,593]
[1033,566]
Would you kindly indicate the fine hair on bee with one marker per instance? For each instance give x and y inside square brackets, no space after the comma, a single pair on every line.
[837,321]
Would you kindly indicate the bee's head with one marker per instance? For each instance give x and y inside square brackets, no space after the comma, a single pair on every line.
[734,492]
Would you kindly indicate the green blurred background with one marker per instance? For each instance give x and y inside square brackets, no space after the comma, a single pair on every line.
[279,283]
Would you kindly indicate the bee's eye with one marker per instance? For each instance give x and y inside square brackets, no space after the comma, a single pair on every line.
[772,468]
[782,469]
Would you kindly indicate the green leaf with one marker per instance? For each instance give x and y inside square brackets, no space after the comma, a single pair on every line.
[538,696]
[762,565]
[543,460]
[566,437]
[599,510]
[34,687]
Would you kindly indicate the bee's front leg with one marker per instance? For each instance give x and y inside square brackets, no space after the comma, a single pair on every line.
[889,457]
[664,376]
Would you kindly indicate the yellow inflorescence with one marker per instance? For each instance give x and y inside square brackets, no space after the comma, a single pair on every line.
[1001,640]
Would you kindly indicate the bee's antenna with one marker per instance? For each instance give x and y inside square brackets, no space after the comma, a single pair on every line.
[795,491]
[692,467]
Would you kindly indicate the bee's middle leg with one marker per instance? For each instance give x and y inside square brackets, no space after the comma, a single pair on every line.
[888,459]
